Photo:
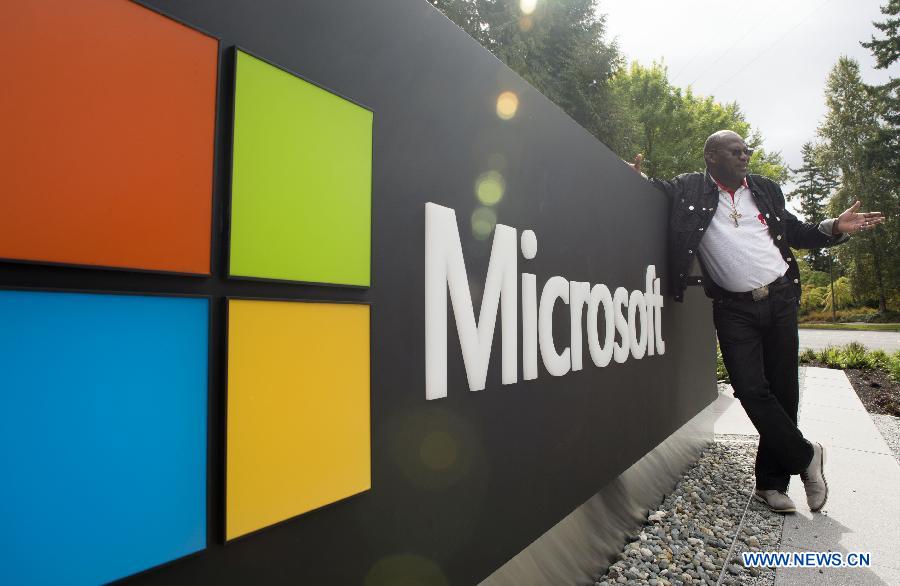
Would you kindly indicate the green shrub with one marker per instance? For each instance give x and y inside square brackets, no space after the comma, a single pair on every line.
[887,317]
[863,314]
[878,359]
[894,366]
[853,355]
[843,296]
[807,356]
[830,356]
[812,299]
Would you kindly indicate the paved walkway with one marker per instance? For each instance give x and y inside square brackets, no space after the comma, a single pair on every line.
[818,339]
[863,509]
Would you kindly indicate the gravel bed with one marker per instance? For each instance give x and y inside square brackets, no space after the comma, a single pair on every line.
[687,537]
[889,427]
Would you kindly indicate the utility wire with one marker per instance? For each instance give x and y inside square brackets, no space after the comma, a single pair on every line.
[703,48]
[815,10]
[732,46]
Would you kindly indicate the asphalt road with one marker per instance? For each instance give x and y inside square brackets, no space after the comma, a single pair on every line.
[819,339]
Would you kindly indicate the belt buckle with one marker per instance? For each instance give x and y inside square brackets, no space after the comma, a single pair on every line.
[760,293]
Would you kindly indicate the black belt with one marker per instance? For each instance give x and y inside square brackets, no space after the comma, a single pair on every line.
[758,294]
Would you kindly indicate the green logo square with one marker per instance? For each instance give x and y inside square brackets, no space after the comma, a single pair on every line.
[301,192]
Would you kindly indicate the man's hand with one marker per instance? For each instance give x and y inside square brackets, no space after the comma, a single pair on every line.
[636,165]
[852,221]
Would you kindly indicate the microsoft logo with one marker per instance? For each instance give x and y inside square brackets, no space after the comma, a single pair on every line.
[93,378]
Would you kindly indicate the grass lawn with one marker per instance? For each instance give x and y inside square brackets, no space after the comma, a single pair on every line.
[855,327]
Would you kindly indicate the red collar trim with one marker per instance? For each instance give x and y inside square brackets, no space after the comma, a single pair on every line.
[731,192]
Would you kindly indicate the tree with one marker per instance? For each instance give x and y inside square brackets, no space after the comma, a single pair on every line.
[559,48]
[813,298]
[669,125]
[815,184]
[887,50]
[843,296]
[651,104]
[851,125]
[808,275]
[884,149]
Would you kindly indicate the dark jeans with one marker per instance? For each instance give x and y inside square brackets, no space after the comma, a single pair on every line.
[759,343]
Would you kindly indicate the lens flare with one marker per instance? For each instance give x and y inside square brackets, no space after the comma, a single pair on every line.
[527,6]
[483,222]
[405,568]
[489,187]
[438,450]
[526,23]
[507,105]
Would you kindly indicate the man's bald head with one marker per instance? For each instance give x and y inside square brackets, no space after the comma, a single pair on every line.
[718,140]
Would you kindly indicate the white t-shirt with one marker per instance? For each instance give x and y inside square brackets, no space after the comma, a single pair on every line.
[743,257]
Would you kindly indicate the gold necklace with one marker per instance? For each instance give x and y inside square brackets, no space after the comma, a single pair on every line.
[734,215]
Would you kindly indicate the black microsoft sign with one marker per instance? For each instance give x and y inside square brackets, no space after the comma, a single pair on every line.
[406,313]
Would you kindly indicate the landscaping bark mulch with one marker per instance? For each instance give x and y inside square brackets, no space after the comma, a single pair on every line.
[878,393]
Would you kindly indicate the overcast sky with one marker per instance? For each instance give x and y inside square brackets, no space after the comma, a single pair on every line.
[771,56]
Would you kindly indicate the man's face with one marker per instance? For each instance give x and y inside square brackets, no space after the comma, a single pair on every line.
[730,160]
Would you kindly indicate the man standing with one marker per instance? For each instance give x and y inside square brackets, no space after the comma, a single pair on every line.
[737,227]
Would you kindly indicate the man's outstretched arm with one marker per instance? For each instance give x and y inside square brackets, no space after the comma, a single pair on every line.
[853,220]
[828,232]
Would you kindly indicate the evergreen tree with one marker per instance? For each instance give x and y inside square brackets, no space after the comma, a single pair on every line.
[884,148]
[851,125]
[887,50]
[815,184]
